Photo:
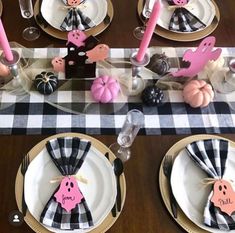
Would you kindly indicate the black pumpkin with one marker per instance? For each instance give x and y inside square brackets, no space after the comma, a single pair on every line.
[159,63]
[46,82]
[152,96]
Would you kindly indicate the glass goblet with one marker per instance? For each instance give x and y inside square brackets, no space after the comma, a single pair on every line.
[131,126]
[26,9]
[139,31]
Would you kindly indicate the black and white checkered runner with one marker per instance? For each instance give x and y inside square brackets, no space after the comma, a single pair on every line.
[37,114]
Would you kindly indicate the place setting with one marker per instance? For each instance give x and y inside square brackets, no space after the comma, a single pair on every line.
[69,183]
[57,18]
[198,189]
[198,18]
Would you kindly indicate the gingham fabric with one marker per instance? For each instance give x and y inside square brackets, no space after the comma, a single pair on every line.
[36,114]
[68,154]
[76,19]
[183,20]
[211,155]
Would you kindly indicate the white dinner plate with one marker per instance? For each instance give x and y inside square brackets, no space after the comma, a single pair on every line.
[202,9]
[187,187]
[54,12]
[99,192]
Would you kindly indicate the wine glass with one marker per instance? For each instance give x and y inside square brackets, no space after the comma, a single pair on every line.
[139,31]
[131,126]
[26,9]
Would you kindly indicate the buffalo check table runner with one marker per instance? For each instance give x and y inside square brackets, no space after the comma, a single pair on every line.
[36,114]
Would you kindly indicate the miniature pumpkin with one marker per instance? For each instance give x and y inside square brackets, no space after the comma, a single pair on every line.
[4,70]
[105,89]
[198,93]
[159,63]
[152,96]
[46,82]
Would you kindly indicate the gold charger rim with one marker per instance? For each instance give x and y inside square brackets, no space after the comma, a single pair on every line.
[63,35]
[30,220]
[182,219]
[187,37]
[1,7]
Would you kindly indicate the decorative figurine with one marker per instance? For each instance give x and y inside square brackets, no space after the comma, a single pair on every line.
[198,93]
[46,82]
[152,96]
[199,58]
[159,63]
[105,89]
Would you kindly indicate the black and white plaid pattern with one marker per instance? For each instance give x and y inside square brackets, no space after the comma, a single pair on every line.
[76,19]
[183,20]
[211,155]
[68,154]
[39,114]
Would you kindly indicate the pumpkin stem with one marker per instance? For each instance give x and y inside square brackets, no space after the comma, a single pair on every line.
[45,78]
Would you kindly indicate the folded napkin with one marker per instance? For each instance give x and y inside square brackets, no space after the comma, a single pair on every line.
[68,154]
[183,20]
[211,156]
[75,19]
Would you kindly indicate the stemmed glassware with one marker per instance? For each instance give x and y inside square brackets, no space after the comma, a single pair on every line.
[26,9]
[138,32]
[131,126]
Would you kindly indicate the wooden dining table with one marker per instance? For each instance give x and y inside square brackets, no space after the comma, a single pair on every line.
[143,211]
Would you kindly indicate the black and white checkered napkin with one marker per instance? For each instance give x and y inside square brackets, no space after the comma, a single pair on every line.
[211,156]
[68,154]
[183,20]
[76,19]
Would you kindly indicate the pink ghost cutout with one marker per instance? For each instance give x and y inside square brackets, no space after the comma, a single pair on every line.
[73,2]
[223,196]
[180,2]
[4,70]
[69,194]
[77,37]
[199,58]
[99,53]
[58,64]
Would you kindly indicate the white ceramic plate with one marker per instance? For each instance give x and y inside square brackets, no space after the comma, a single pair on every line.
[54,13]
[187,187]
[202,9]
[100,192]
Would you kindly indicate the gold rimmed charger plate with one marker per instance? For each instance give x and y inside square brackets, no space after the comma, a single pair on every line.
[185,37]
[182,219]
[30,220]
[1,6]
[63,35]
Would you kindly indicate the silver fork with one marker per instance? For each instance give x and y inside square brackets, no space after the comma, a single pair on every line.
[24,167]
[167,167]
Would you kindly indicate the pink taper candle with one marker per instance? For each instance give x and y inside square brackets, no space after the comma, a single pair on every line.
[149,30]
[5,44]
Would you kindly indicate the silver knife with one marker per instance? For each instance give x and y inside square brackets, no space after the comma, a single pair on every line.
[167,167]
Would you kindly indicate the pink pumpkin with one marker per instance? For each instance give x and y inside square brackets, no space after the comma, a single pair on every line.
[4,70]
[198,93]
[105,89]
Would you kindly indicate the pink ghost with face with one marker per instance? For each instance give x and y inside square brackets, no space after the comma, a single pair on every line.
[74,2]
[180,2]
[58,64]
[223,196]
[199,58]
[77,37]
[99,53]
[69,194]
